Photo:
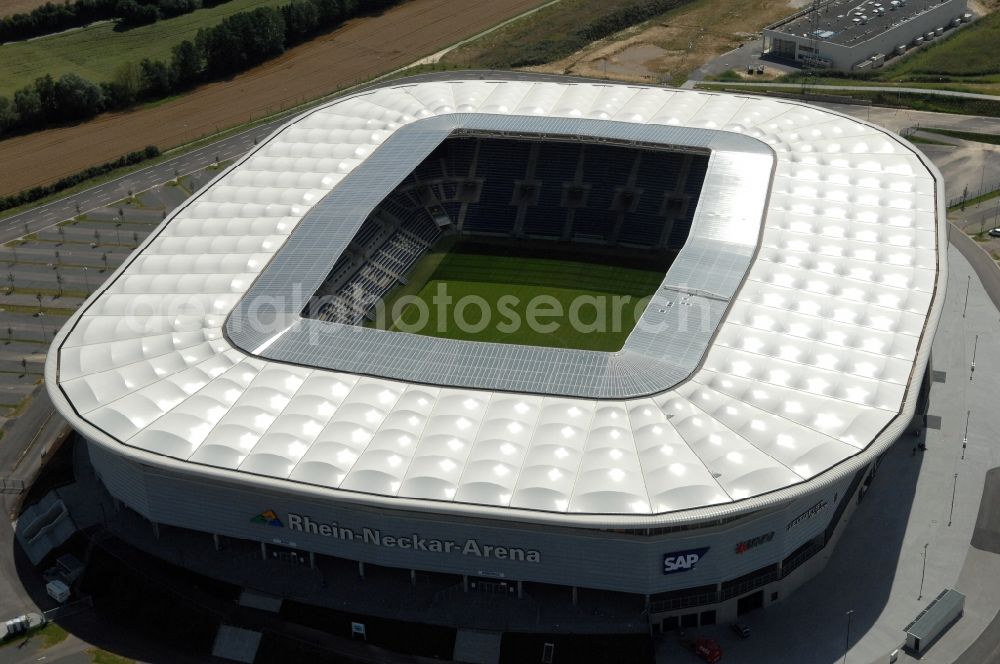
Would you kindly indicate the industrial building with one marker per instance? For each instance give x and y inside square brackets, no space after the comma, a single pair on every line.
[847,34]
[701,470]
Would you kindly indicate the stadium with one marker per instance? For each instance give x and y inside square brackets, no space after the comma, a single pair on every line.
[269,367]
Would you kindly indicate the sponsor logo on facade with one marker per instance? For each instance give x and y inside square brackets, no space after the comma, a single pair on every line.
[268,517]
[412,542]
[746,545]
[682,561]
[808,514]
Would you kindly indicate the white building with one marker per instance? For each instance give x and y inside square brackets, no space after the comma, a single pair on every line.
[846,34]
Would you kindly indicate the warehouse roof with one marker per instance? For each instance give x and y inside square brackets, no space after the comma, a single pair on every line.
[813,367]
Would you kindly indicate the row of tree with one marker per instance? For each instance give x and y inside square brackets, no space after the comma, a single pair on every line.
[37,193]
[51,17]
[237,43]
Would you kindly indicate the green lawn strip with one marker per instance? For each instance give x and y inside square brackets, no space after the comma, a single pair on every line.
[970,51]
[977,137]
[99,268]
[51,292]
[98,656]
[975,201]
[95,52]
[18,340]
[926,141]
[28,309]
[49,633]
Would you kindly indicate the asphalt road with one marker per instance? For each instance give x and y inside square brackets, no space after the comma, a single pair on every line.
[34,219]
[232,147]
[856,88]
[982,263]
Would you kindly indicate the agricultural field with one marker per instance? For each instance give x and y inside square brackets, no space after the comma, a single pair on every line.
[96,51]
[665,48]
[507,286]
[358,51]
[8,7]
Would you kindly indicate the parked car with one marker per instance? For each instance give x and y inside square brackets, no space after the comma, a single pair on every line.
[742,630]
[705,648]
[995,232]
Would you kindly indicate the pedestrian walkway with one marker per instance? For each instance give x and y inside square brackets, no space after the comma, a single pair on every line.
[876,580]
[853,88]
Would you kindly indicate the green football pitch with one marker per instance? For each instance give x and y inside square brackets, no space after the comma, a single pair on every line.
[472,295]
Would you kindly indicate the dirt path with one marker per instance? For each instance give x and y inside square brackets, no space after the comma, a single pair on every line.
[668,48]
[359,50]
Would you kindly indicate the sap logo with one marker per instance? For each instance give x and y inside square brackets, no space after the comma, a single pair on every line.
[682,561]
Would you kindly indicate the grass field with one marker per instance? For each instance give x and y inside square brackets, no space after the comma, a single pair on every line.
[992,139]
[8,7]
[547,35]
[533,301]
[95,52]
[358,51]
[668,47]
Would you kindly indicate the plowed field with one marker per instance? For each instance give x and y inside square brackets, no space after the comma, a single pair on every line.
[358,51]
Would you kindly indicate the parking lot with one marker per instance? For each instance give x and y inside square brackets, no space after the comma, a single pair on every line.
[46,275]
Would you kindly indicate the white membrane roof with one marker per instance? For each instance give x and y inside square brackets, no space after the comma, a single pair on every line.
[814,367]
[665,346]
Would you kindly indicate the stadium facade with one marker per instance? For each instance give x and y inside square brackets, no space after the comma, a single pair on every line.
[703,469]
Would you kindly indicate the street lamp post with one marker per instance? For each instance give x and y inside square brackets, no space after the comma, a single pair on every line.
[968,282]
[847,637]
[965,438]
[954,488]
[920,595]
[975,347]
[86,279]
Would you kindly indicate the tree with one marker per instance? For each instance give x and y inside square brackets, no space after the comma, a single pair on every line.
[155,78]
[301,20]
[222,49]
[45,86]
[125,86]
[76,98]
[243,40]
[8,115]
[171,8]
[131,13]
[185,64]
[330,12]
[28,106]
